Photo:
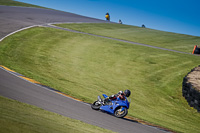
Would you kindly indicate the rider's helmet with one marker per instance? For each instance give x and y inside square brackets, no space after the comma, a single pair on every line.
[127,93]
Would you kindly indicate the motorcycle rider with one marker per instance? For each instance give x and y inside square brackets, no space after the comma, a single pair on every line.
[121,95]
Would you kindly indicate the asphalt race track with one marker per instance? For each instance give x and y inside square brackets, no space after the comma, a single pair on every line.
[15,18]
[11,86]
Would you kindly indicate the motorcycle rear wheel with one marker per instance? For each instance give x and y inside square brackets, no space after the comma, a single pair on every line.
[96,105]
[120,114]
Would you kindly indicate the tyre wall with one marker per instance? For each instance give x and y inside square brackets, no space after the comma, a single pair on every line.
[191,94]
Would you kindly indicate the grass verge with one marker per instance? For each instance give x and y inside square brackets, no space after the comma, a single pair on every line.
[17,117]
[179,42]
[72,62]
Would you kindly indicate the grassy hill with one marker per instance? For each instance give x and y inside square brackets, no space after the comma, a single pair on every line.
[17,117]
[179,42]
[22,118]
[72,62]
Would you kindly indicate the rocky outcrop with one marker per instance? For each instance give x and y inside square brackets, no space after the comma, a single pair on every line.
[191,88]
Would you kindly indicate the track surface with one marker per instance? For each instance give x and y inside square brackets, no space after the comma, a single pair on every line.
[11,86]
[15,18]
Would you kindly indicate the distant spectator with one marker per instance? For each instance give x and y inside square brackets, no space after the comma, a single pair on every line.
[107,16]
[120,22]
[143,26]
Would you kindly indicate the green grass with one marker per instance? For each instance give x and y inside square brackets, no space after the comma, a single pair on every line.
[162,39]
[17,117]
[86,66]
[16,3]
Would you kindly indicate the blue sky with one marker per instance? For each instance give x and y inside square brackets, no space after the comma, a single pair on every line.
[179,16]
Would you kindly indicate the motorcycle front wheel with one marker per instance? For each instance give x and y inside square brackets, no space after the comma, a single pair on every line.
[96,105]
[119,113]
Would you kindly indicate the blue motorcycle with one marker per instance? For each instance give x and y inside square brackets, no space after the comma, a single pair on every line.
[118,107]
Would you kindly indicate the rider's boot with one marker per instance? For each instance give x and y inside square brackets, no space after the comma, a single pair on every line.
[106,101]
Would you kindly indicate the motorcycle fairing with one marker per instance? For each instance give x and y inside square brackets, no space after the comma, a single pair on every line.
[115,103]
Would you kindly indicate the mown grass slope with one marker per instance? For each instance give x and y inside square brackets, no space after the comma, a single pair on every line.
[22,118]
[179,42]
[17,117]
[86,66]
